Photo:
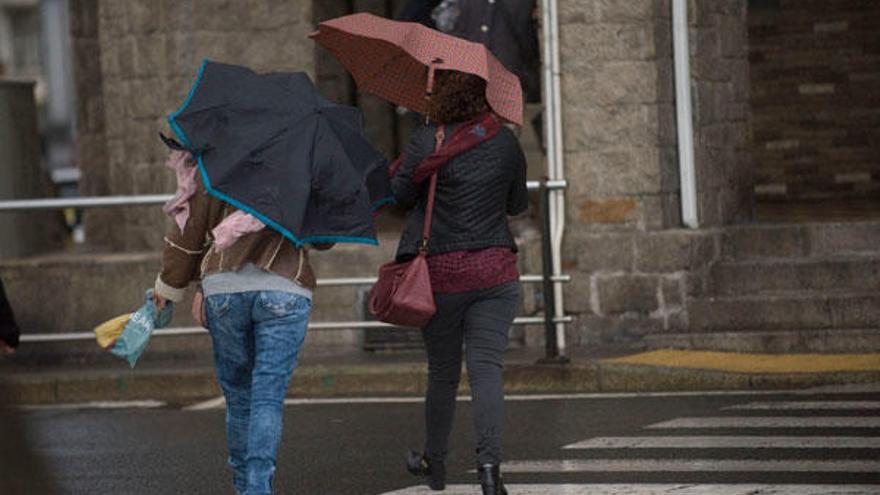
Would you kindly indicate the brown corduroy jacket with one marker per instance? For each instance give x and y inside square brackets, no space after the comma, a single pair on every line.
[190,255]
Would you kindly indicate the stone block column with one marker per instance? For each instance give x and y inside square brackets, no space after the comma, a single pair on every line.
[722,115]
[91,147]
[634,267]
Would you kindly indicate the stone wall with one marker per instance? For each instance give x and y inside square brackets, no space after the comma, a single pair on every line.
[816,97]
[91,147]
[22,176]
[148,52]
[634,268]
[722,117]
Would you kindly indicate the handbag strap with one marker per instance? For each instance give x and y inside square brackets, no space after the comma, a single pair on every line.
[432,192]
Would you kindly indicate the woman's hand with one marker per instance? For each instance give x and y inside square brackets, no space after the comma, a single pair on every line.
[198,308]
[6,348]
[159,301]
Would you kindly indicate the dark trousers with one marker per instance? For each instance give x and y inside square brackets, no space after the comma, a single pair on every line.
[479,320]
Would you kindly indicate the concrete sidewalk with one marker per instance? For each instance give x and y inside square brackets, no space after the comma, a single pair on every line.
[404,374]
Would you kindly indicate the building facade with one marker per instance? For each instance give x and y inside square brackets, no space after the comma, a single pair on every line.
[784,102]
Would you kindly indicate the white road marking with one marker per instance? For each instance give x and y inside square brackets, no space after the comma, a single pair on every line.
[727,442]
[771,422]
[215,403]
[655,489]
[132,404]
[355,400]
[806,405]
[219,402]
[690,465]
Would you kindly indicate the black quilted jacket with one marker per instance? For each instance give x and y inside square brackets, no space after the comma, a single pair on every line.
[476,191]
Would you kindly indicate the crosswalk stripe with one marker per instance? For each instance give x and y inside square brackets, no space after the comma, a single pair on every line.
[771,422]
[653,489]
[806,405]
[727,442]
[123,404]
[690,465]
[219,402]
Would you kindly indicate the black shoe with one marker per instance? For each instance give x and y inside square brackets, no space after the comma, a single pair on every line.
[418,464]
[490,480]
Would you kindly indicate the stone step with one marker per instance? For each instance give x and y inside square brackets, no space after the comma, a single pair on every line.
[820,341]
[801,240]
[786,311]
[852,273]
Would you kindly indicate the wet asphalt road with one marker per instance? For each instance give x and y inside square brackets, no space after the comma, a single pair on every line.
[358,448]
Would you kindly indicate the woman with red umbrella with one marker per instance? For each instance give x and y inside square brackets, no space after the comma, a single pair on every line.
[480,179]
[472,262]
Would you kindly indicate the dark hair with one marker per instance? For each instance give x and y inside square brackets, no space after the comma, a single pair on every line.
[457,97]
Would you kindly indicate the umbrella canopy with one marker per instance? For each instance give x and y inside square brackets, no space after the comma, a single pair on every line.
[391,59]
[270,145]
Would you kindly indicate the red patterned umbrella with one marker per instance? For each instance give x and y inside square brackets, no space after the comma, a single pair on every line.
[396,60]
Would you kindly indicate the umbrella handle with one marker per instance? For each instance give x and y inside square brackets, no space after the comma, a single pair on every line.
[429,87]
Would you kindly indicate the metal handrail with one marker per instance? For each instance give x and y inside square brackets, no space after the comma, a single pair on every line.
[184,331]
[154,199]
[83,202]
[341,282]
[15,205]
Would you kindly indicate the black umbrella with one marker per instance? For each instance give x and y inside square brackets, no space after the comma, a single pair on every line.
[270,145]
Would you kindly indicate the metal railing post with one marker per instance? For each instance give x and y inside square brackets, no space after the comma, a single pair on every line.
[551,343]
[551,348]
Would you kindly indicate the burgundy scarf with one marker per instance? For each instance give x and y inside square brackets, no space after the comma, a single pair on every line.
[467,136]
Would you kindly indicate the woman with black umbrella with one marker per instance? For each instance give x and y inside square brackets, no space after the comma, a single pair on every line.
[266,168]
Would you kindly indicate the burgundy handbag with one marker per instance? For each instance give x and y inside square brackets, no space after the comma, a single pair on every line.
[402,295]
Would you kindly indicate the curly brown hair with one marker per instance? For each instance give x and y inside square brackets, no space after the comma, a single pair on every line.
[457,97]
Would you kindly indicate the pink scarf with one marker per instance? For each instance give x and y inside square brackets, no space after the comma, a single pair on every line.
[229,230]
[185,169]
[234,226]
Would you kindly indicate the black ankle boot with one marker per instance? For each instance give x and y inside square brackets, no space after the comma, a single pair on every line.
[490,480]
[434,471]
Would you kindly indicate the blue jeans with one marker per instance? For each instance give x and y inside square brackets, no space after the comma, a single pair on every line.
[257,337]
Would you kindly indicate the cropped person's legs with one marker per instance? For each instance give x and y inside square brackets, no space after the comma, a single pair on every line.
[486,325]
[229,321]
[280,323]
[443,341]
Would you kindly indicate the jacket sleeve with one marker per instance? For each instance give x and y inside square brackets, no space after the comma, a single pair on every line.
[420,146]
[183,251]
[518,195]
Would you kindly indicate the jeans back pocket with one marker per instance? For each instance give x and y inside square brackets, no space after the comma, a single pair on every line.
[280,304]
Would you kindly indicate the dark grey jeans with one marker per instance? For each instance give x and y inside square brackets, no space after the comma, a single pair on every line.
[479,320]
